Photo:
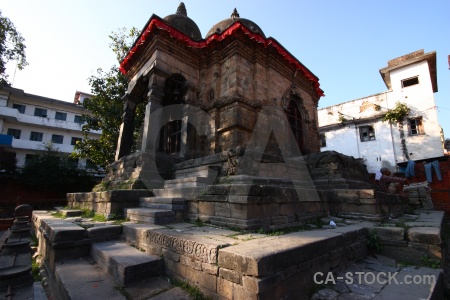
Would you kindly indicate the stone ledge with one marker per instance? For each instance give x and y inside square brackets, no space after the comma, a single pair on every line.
[263,257]
[426,235]
[389,233]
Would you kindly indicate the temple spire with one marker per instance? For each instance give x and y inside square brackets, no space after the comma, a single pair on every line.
[181,10]
[235,14]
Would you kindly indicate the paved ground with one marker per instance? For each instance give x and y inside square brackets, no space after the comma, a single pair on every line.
[446,256]
[377,277]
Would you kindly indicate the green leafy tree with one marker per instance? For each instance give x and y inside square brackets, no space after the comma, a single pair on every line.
[12,48]
[447,144]
[106,106]
[8,161]
[51,170]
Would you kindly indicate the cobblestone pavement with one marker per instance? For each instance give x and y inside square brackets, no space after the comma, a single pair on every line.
[377,277]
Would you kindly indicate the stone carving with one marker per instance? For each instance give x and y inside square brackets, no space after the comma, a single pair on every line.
[231,162]
[293,92]
[199,251]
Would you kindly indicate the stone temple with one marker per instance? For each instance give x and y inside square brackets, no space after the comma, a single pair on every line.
[230,135]
[228,155]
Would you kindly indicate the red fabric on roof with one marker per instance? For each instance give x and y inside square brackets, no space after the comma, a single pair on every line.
[156,23]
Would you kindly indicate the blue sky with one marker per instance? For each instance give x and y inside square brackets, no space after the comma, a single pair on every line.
[344,42]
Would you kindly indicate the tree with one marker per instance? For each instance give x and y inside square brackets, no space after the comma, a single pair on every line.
[11,48]
[8,161]
[51,170]
[105,108]
[447,144]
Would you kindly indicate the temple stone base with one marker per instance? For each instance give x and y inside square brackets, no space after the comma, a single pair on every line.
[108,203]
[228,264]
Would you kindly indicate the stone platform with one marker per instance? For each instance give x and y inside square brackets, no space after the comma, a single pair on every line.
[222,263]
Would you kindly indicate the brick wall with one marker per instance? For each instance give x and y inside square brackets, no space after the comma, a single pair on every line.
[440,190]
[14,193]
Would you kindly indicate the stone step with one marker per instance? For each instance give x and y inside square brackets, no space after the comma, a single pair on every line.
[189,193]
[125,263]
[168,203]
[187,182]
[81,279]
[200,171]
[163,200]
[150,215]
[69,212]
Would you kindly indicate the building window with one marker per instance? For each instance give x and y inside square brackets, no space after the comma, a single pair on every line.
[57,139]
[36,136]
[14,132]
[323,140]
[20,108]
[415,126]
[78,119]
[60,116]
[366,133]
[30,157]
[410,81]
[74,140]
[73,162]
[40,112]
[170,140]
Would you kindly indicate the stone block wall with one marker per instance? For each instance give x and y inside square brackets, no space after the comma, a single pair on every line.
[262,268]
[415,241]
[108,203]
[60,239]
[367,204]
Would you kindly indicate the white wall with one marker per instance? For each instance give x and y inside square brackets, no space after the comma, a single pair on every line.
[27,122]
[386,149]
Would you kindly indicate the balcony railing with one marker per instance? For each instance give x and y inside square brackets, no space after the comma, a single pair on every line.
[13,115]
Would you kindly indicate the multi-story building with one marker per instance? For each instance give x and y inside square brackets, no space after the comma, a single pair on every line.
[356,128]
[29,121]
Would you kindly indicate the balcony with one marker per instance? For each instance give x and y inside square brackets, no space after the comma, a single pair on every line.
[12,115]
[27,144]
[6,140]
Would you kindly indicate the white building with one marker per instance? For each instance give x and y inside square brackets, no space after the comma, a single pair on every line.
[355,128]
[29,121]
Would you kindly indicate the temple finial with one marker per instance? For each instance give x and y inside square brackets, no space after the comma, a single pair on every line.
[181,10]
[235,14]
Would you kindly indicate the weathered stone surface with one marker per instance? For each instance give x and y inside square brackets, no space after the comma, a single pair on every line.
[62,231]
[124,262]
[104,231]
[210,268]
[225,288]
[262,257]
[426,235]
[70,212]
[206,208]
[170,255]
[190,262]
[176,293]
[198,247]
[389,233]
[325,294]
[230,275]
[89,282]
[425,290]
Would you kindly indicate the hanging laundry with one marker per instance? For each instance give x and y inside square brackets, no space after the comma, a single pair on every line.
[429,172]
[409,172]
